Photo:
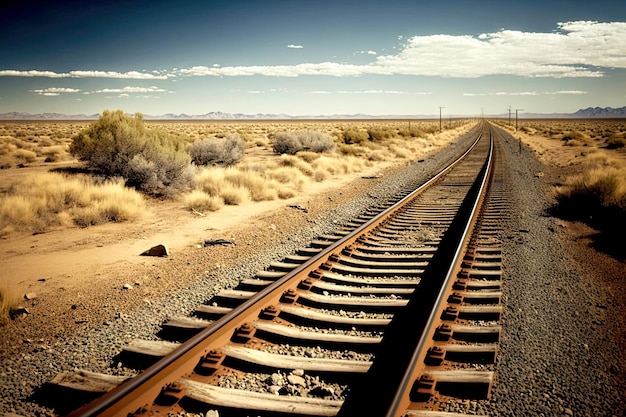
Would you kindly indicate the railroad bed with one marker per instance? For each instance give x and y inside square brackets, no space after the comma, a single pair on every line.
[395,313]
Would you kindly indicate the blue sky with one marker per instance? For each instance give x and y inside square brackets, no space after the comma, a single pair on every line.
[397,57]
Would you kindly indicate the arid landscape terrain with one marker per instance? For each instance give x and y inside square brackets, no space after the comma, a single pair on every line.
[63,262]
[64,276]
[68,259]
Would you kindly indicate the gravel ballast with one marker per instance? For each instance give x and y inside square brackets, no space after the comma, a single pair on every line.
[562,348]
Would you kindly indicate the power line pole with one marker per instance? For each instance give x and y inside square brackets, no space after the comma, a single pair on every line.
[516,110]
[520,138]
[440,117]
[509,116]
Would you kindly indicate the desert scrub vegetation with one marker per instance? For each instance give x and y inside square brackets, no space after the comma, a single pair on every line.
[596,196]
[217,151]
[10,298]
[309,140]
[151,160]
[43,201]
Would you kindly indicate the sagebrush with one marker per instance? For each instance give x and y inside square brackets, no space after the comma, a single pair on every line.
[118,145]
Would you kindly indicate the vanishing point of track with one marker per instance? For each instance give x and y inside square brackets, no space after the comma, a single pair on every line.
[396,313]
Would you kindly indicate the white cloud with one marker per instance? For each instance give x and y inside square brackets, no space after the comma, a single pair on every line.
[575,49]
[54,91]
[129,89]
[85,74]
[526,93]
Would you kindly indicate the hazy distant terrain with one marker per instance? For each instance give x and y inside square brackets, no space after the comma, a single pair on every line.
[589,112]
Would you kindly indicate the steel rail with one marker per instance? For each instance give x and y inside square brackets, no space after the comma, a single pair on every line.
[402,399]
[131,395]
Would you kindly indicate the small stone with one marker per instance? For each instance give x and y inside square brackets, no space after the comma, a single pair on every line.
[73,307]
[277,379]
[127,287]
[41,280]
[298,372]
[296,380]
[158,250]
[30,296]
[569,412]
[275,389]
[212,413]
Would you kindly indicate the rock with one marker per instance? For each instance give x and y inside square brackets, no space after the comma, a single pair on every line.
[569,412]
[221,242]
[296,380]
[30,296]
[158,250]
[127,287]
[275,389]
[212,413]
[277,379]
[298,372]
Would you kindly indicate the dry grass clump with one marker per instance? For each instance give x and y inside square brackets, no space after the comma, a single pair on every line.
[202,202]
[46,200]
[597,196]
[10,298]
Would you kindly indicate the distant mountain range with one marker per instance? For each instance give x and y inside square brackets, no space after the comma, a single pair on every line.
[590,112]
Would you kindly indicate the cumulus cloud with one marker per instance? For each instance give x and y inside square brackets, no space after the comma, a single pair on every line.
[54,91]
[128,89]
[574,49]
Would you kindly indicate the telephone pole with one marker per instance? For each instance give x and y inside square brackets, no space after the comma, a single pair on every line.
[440,117]
[516,110]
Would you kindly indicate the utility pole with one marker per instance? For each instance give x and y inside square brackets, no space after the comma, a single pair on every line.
[520,138]
[509,116]
[440,117]
[516,110]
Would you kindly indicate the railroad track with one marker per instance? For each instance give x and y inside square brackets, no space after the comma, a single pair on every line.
[395,313]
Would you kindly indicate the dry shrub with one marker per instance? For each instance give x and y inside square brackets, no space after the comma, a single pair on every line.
[210,181]
[218,151]
[54,153]
[202,202]
[353,136]
[310,140]
[46,200]
[308,156]
[256,185]
[26,155]
[233,195]
[7,148]
[597,196]
[296,162]
[575,138]
[291,177]
[334,166]
[10,299]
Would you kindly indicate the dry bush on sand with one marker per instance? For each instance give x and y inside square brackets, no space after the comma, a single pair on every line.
[10,298]
[46,200]
[202,202]
[217,151]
